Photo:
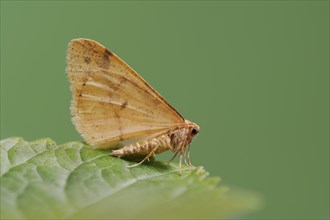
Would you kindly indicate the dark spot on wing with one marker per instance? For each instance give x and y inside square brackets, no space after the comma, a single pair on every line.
[122,80]
[115,86]
[124,105]
[119,122]
[108,53]
[87,60]
[104,61]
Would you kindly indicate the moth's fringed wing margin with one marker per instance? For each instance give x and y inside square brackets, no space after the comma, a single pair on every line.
[113,106]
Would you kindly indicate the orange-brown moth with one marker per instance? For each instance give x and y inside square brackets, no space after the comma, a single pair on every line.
[114,107]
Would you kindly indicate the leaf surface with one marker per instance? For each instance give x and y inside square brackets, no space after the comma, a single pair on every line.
[41,179]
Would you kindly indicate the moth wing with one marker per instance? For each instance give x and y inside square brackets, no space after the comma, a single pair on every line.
[112,105]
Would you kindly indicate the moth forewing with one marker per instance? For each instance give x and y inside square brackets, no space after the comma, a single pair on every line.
[114,106]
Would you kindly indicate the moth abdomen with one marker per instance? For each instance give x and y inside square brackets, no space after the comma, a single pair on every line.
[157,144]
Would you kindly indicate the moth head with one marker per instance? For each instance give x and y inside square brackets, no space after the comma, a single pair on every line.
[194,128]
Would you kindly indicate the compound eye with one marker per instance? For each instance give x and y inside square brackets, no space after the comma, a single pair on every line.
[194,131]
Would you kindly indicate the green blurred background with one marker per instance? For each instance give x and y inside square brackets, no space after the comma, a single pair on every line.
[253,74]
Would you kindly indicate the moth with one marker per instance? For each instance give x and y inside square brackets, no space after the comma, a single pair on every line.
[113,107]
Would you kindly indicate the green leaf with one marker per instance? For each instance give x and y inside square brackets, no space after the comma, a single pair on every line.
[40,179]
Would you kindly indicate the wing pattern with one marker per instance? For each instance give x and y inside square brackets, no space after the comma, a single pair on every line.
[112,105]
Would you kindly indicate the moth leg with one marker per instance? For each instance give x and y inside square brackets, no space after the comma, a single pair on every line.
[151,154]
[174,156]
[180,164]
[185,157]
[192,166]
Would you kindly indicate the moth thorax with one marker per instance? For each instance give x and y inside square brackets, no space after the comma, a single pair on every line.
[180,138]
